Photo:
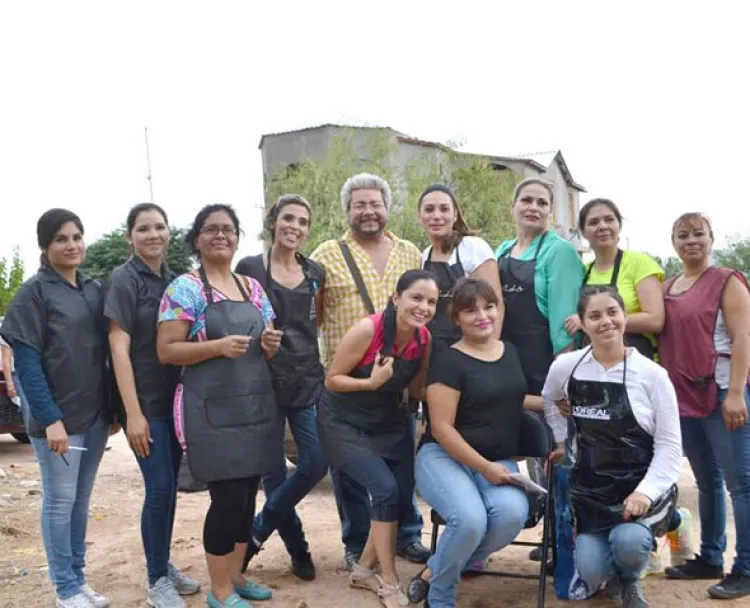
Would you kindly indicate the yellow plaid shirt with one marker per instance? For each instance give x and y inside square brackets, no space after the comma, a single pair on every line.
[342,304]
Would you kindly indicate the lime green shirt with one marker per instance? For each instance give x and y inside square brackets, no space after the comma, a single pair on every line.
[557,283]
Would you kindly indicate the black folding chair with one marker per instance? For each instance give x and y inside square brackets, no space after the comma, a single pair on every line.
[536,441]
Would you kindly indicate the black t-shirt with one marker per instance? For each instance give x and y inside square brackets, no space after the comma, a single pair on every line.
[489,409]
[132,301]
[65,324]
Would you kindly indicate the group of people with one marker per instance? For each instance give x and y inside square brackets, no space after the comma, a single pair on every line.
[627,370]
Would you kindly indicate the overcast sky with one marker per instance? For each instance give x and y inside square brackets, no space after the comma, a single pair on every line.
[649,103]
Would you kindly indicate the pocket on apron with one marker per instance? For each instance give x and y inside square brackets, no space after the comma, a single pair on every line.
[237,410]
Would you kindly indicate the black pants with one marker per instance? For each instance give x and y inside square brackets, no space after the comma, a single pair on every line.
[230,514]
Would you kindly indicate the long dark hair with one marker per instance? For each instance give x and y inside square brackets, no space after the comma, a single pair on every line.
[389,315]
[49,224]
[460,227]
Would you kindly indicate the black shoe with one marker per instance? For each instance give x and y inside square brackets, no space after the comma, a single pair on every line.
[302,566]
[695,569]
[417,589]
[535,555]
[351,558]
[732,586]
[416,553]
[632,595]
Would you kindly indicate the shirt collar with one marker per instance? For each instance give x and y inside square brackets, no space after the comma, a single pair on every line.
[633,358]
[143,268]
[48,274]
[350,240]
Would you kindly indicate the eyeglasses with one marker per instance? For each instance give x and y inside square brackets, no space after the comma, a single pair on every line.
[214,230]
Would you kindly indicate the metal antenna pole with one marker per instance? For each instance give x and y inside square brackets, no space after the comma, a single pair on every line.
[148,163]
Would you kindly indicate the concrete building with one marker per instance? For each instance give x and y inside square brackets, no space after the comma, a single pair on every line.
[287,149]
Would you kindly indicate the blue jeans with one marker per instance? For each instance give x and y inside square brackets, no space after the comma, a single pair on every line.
[282,493]
[623,551]
[66,492]
[389,485]
[717,455]
[480,518]
[353,504]
[159,470]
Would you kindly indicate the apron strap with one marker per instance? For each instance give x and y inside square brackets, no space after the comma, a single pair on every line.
[615,270]
[209,292]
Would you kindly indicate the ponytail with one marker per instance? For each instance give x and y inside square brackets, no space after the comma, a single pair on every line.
[389,329]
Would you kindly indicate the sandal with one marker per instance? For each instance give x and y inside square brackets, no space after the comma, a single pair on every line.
[418,588]
[389,591]
[364,578]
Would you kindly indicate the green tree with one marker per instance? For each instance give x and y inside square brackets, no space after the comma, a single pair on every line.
[111,250]
[671,265]
[10,279]
[483,193]
[736,255]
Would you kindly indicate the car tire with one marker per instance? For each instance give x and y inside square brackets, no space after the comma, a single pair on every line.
[22,437]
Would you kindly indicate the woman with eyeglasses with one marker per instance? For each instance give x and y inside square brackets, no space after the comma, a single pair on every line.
[705,347]
[218,327]
[294,286]
[629,452]
[56,329]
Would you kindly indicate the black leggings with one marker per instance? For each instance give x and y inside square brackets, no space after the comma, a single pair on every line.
[230,514]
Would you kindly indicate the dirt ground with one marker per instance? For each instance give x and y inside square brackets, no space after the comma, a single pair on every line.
[116,565]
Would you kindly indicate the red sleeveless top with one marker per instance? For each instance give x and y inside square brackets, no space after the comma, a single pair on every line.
[686,344]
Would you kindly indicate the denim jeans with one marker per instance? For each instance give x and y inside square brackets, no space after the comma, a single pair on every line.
[66,492]
[284,493]
[717,455]
[623,551]
[389,485]
[480,518]
[159,470]
[353,504]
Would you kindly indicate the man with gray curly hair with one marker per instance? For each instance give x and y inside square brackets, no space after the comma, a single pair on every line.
[380,258]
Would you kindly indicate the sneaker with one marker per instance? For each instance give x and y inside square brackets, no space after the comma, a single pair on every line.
[680,540]
[613,588]
[732,586]
[253,591]
[182,583]
[97,600]
[162,594]
[351,558]
[695,569]
[233,601]
[653,567]
[302,566]
[633,596]
[474,569]
[79,600]
[416,553]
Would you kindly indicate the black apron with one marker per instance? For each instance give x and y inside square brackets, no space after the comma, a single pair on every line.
[444,332]
[353,426]
[613,456]
[232,426]
[638,341]
[524,326]
[296,370]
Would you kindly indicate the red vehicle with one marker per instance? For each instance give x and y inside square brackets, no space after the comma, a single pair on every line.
[11,420]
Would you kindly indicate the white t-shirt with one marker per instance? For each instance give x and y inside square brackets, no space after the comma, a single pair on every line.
[652,399]
[472,251]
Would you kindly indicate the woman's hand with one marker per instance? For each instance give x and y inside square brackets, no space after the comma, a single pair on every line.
[233,346]
[139,435]
[734,411]
[10,387]
[497,474]
[573,324]
[57,437]
[636,505]
[270,341]
[558,453]
[382,371]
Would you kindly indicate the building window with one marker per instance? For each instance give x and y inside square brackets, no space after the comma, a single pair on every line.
[572,210]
